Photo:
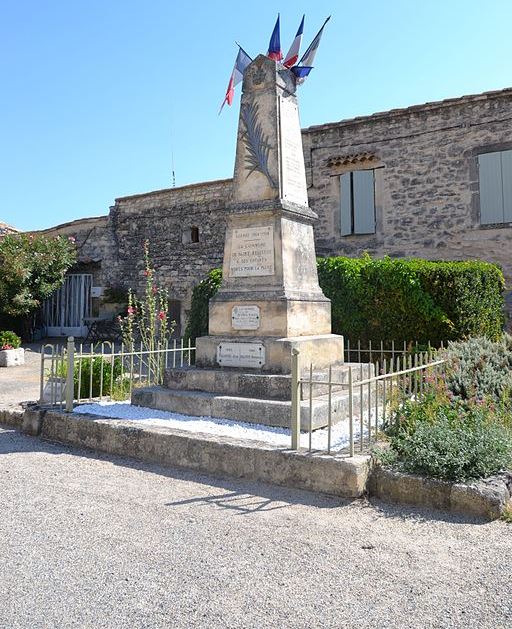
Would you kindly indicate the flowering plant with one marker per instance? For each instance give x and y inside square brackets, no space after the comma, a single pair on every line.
[6,347]
[147,319]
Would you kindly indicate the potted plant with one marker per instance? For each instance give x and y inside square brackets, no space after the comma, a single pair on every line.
[11,352]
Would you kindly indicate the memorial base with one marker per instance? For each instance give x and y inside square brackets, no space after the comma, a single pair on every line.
[252,398]
[267,354]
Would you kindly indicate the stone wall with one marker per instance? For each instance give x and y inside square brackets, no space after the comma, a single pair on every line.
[426,179]
[426,193]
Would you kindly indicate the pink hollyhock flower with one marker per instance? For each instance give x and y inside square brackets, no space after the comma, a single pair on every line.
[161,315]
[131,310]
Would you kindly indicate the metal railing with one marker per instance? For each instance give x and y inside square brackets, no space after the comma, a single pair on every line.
[105,371]
[365,401]
[359,351]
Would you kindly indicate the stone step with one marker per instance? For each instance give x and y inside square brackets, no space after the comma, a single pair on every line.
[257,385]
[269,412]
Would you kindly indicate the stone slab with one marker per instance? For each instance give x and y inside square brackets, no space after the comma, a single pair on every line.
[321,351]
[485,498]
[267,412]
[336,475]
[256,385]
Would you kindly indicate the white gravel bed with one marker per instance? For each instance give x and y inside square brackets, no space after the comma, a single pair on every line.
[217,426]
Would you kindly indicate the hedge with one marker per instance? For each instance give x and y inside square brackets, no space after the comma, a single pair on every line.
[395,299]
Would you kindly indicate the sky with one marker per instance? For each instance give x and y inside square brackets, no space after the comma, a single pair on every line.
[100,98]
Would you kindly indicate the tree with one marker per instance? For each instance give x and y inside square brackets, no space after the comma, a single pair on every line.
[31,269]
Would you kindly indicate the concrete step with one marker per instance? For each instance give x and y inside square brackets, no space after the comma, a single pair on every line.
[258,385]
[269,412]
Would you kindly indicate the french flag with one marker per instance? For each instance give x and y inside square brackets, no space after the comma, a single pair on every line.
[241,62]
[293,53]
[274,46]
[305,65]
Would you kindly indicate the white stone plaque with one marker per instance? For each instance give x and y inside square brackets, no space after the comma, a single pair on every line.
[252,252]
[245,317]
[241,355]
[293,175]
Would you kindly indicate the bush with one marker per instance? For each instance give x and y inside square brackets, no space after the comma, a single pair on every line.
[398,299]
[105,373]
[198,319]
[9,340]
[480,368]
[454,442]
[31,269]
[395,299]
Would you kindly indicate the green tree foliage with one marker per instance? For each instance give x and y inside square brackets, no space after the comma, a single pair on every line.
[31,269]
[395,299]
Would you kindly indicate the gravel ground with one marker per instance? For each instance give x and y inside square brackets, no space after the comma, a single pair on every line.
[95,541]
[21,384]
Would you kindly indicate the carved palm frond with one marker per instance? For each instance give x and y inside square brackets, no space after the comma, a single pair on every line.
[258,148]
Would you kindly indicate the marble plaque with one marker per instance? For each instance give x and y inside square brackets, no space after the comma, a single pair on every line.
[252,252]
[293,172]
[241,355]
[245,317]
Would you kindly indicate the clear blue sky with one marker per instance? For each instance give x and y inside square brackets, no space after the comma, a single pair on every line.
[97,94]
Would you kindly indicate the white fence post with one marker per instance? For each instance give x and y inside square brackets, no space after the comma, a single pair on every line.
[69,374]
[295,415]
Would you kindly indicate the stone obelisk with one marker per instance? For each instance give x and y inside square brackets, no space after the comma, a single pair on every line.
[270,301]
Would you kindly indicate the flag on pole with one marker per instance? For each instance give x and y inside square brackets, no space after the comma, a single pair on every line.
[241,62]
[274,46]
[293,53]
[309,56]
[301,72]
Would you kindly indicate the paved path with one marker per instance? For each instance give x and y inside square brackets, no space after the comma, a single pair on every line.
[21,384]
[95,541]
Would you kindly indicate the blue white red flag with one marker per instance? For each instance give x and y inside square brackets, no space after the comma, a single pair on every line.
[309,56]
[301,72]
[274,46]
[241,62]
[293,53]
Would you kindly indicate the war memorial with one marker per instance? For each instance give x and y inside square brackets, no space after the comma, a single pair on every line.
[270,305]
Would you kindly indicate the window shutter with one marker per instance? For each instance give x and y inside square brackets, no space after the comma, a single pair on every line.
[364,202]
[506,180]
[346,209]
[491,189]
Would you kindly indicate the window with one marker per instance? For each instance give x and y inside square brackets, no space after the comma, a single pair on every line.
[189,235]
[495,174]
[357,202]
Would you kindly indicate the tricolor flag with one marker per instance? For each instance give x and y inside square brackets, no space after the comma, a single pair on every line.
[306,62]
[293,53]
[274,46]
[241,62]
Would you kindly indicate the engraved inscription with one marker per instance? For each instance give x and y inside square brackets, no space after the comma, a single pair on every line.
[241,355]
[245,317]
[252,252]
[293,173]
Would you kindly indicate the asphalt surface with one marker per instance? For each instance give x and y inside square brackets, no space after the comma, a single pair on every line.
[93,541]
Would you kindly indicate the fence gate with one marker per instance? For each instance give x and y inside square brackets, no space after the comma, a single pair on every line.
[64,311]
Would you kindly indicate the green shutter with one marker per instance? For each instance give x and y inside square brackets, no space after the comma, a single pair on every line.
[506,181]
[364,202]
[346,204]
[491,188]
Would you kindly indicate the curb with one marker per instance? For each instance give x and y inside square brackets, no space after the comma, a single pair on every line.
[486,498]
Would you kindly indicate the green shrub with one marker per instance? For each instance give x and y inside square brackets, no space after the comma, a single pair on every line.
[105,373]
[398,299]
[9,340]
[202,293]
[376,299]
[480,368]
[454,442]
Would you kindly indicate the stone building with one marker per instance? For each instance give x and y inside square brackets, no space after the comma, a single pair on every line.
[432,181]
